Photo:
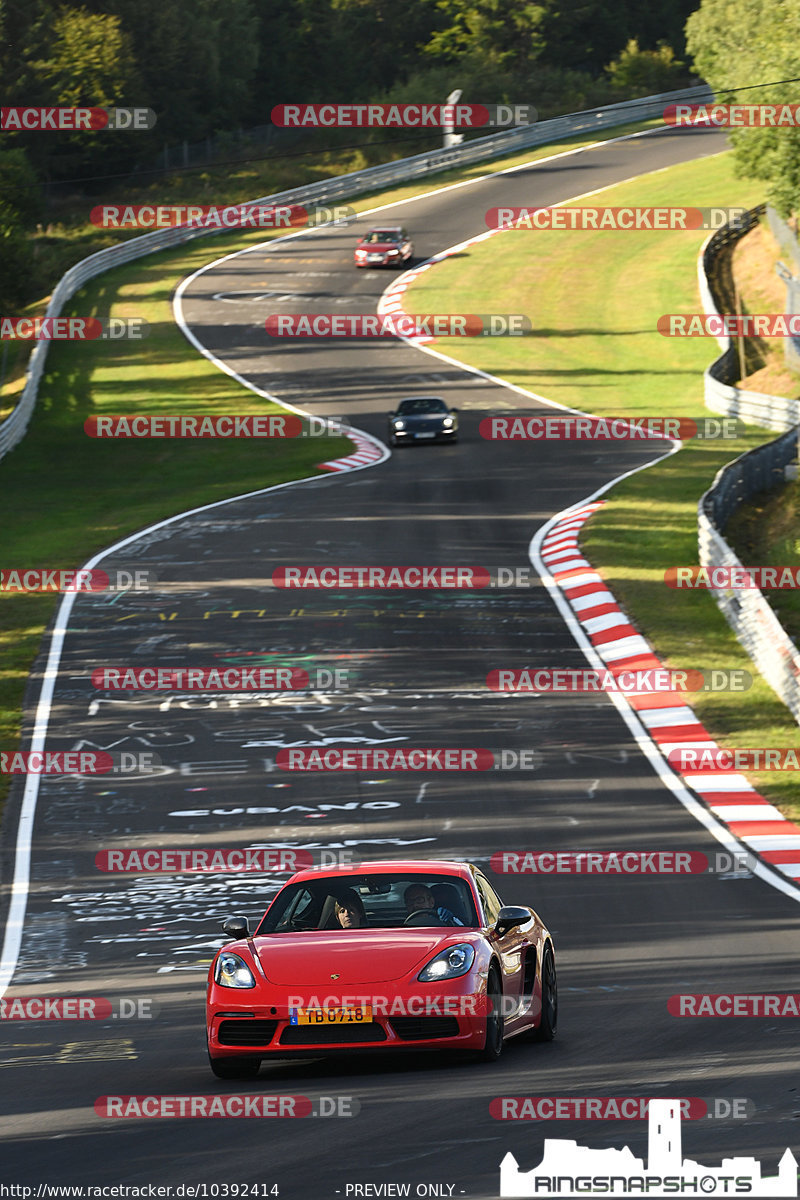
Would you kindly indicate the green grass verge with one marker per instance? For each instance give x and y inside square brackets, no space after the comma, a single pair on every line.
[594,299]
[72,494]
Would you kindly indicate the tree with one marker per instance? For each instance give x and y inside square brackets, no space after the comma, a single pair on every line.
[645,72]
[748,44]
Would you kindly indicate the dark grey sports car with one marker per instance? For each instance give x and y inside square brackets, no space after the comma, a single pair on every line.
[423,419]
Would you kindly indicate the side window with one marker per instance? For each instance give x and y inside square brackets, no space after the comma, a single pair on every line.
[489,899]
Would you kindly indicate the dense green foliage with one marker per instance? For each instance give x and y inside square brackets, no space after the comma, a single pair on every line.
[743,43]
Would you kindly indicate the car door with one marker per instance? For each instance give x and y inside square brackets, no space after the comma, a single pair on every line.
[513,949]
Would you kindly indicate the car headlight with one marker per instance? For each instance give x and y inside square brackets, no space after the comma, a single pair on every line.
[398,424]
[233,971]
[448,964]
[447,422]
[393,251]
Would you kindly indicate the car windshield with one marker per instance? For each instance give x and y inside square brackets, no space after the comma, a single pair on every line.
[382,901]
[383,235]
[422,404]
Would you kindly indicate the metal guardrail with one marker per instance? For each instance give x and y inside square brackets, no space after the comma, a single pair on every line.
[786,237]
[341,187]
[721,396]
[746,610]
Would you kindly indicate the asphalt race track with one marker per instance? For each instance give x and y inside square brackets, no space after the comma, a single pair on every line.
[417,664]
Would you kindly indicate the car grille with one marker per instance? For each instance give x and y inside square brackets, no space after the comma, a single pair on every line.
[327,1035]
[246,1033]
[419,1029]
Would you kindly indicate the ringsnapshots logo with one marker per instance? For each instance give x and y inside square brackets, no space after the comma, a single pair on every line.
[407,325]
[570,1170]
[402,116]
[534,680]
[214,216]
[73,329]
[605,218]
[74,120]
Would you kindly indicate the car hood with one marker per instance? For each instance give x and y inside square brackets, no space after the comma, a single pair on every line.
[422,418]
[355,955]
[378,247]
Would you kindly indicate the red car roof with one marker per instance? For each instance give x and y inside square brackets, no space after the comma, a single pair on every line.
[409,866]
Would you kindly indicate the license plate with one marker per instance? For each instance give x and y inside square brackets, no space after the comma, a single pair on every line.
[360,1015]
[422,435]
[374,257]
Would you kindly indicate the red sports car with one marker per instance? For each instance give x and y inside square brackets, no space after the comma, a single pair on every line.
[390,956]
[386,247]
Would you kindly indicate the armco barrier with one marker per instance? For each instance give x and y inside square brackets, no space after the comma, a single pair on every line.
[746,610]
[342,187]
[721,396]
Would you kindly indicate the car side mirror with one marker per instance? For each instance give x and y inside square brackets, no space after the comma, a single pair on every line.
[509,917]
[236,927]
[392,414]
[453,409]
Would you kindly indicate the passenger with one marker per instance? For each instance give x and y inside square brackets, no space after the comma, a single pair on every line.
[350,911]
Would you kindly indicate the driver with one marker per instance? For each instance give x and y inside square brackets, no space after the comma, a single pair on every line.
[420,898]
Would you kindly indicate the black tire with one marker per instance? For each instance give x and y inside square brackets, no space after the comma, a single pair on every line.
[546,1030]
[235,1068]
[493,1045]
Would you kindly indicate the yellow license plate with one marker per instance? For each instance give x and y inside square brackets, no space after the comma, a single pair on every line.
[333,1016]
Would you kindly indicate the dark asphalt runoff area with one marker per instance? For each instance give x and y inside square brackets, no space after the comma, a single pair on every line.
[416,667]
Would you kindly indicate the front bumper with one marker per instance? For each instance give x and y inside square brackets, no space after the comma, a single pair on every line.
[455,1022]
[423,435]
